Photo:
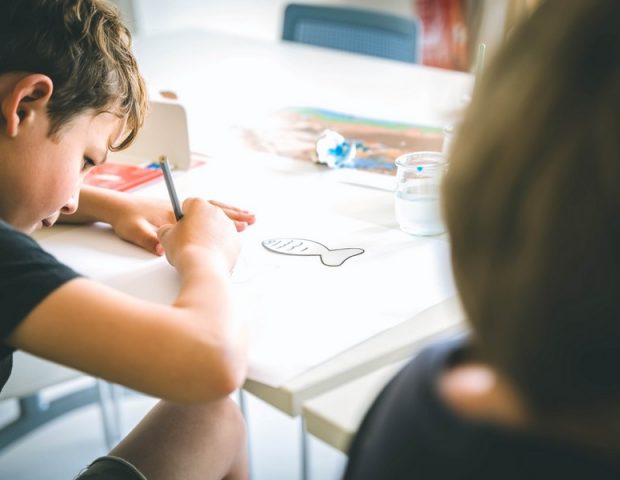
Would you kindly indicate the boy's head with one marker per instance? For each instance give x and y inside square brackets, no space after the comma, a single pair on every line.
[84,48]
[532,203]
[70,90]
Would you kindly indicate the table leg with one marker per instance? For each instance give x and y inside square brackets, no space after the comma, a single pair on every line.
[245,412]
[305,451]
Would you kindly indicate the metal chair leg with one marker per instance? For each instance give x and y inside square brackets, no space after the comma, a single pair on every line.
[34,412]
[109,407]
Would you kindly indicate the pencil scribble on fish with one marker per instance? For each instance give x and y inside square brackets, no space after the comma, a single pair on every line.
[305,248]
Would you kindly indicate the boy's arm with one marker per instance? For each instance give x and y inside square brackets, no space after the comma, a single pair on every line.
[133,218]
[96,205]
[136,219]
[188,351]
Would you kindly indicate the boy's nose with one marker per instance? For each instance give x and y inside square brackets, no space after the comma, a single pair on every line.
[71,206]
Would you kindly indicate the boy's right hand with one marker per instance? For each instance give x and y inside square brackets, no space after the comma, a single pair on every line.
[204,229]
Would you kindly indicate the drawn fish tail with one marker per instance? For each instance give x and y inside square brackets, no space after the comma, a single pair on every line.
[335,258]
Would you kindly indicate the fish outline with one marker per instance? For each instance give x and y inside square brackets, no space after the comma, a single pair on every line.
[304,247]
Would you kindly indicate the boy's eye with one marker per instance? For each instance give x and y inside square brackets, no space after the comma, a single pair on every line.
[88,163]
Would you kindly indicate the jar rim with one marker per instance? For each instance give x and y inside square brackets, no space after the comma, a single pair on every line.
[425,159]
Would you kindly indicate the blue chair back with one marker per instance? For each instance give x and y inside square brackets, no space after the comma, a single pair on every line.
[354,30]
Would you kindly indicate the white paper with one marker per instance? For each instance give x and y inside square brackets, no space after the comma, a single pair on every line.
[307,313]
[302,312]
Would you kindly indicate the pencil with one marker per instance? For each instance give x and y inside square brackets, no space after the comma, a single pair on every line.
[172,193]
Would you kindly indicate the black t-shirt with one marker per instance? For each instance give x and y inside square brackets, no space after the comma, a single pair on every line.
[28,274]
[410,433]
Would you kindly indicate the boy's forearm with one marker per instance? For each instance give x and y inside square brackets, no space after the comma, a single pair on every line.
[96,205]
[205,284]
[206,293]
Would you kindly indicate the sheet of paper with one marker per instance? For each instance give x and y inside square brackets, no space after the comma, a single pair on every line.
[301,312]
[306,313]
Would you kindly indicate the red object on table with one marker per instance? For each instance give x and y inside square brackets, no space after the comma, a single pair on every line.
[121,177]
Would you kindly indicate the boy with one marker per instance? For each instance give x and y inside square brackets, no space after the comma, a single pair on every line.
[70,91]
[532,203]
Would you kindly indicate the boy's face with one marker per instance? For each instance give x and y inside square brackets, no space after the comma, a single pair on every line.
[42,174]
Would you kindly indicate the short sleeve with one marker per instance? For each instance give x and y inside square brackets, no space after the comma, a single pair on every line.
[28,274]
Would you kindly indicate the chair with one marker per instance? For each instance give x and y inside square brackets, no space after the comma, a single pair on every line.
[354,30]
[31,375]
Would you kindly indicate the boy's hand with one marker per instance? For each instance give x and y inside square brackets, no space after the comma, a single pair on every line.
[242,218]
[204,230]
[138,219]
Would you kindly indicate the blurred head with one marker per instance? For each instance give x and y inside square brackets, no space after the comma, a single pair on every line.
[532,204]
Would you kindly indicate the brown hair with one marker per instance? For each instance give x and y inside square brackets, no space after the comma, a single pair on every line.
[532,204]
[83,46]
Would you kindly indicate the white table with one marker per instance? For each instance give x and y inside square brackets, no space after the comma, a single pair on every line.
[335,416]
[223,79]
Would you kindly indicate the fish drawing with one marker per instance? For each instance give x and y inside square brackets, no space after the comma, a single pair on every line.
[303,247]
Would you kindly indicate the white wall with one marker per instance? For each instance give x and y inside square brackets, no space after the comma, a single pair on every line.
[254,18]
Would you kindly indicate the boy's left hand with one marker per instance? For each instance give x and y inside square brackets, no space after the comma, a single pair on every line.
[137,220]
[242,218]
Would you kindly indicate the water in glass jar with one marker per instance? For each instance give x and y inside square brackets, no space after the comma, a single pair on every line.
[418,214]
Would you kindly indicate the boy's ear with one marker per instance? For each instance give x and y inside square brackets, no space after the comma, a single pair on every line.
[27,100]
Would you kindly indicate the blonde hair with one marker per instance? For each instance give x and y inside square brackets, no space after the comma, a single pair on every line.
[532,202]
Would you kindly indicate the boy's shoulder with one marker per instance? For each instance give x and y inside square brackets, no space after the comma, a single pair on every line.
[15,244]
[11,236]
